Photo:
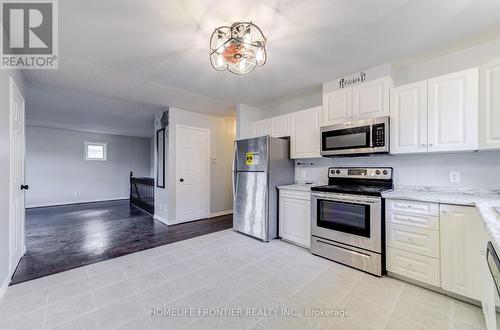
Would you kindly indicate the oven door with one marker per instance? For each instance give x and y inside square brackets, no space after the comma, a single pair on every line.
[349,219]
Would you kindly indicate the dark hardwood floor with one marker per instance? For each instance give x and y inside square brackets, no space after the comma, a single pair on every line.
[59,238]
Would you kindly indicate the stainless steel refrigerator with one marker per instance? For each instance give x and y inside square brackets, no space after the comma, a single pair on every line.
[261,164]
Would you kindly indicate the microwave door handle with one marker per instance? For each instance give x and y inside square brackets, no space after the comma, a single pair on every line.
[371,136]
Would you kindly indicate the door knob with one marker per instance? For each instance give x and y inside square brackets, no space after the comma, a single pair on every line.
[24,187]
[181,180]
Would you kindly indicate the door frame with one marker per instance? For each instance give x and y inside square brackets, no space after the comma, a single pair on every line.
[13,87]
[206,130]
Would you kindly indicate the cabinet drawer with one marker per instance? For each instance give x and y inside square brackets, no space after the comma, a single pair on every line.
[413,207]
[306,195]
[414,220]
[412,239]
[414,266]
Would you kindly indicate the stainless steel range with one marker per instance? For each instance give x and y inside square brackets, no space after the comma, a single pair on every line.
[347,217]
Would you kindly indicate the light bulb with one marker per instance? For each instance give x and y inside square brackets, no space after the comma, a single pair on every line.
[241,66]
[259,56]
[220,61]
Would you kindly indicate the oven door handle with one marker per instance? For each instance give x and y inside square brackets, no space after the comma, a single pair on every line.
[349,200]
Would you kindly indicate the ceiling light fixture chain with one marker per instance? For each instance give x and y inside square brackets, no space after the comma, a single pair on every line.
[238,48]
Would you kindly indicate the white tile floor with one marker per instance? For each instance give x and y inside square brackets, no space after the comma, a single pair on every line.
[232,272]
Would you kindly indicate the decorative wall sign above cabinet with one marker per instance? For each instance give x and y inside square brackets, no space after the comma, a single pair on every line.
[351,81]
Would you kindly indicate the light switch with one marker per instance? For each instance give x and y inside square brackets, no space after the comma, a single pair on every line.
[454,177]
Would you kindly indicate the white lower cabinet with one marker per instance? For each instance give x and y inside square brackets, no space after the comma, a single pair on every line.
[414,266]
[489,299]
[412,231]
[436,244]
[417,240]
[460,250]
[295,217]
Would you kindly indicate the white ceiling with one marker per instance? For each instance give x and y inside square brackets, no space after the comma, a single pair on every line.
[155,52]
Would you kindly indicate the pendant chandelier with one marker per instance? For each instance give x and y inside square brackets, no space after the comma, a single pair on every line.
[238,48]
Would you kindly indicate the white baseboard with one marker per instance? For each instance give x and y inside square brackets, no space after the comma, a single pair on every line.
[76,202]
[173,222]
[221,213]
[4,286]
[161,219]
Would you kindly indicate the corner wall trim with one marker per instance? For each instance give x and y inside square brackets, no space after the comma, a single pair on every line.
[161,219]
[4,286]
[221,213]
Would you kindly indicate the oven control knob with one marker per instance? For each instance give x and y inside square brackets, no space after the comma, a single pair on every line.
[338,171]
[377,172]
[384,172]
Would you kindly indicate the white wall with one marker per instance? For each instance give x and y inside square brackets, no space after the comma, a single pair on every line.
[477,169]
[246,115]
[222,135]
[5,165]
[401,74]
[161,194]
[56,168]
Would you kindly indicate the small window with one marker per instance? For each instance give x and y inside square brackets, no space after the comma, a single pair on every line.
[95,151]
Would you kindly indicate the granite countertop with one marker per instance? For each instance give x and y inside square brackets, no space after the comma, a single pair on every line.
[484,200]
[301,186]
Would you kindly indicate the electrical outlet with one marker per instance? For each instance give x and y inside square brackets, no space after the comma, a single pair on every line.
[454,177]
[303,173]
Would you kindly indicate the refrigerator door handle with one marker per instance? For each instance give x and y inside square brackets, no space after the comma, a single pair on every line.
[234,170]
[234,185]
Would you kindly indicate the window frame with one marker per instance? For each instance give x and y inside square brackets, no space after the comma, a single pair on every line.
[105,151]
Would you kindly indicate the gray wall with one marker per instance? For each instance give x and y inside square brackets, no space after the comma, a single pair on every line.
[57,172]
[5,164]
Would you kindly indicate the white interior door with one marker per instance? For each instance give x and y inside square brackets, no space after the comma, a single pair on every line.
[17,176]
[192,173]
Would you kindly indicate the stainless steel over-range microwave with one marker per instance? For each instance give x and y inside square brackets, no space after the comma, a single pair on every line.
[367,136]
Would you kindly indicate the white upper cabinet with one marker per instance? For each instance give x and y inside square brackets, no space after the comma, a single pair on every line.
[366,100]
[490,106]
[281,126]
[454,111]
[460,250]
[371,99]
[306,133]
[260,128]
[409,118]
[337,107]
